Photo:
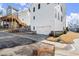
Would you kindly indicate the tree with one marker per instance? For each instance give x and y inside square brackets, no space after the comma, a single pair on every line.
[73,24]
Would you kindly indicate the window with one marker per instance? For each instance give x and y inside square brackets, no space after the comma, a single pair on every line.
[61,18]
[38,6]
[33,9]
[33,27]
[61,9]
[34,17]
[55,15]
[58,16]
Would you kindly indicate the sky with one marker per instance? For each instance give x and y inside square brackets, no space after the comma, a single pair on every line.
[18,6]
[72,14]
[70,7]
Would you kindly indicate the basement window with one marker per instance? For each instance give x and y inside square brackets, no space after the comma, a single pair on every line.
[33,9]
[38,6]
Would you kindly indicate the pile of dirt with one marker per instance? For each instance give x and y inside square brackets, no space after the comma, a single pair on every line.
[69,37]
[65,38]
[52,39]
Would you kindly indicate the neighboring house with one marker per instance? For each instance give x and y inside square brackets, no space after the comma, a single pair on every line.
[11,20]
[48,17]
[1,14]
[24,16]
[10,10]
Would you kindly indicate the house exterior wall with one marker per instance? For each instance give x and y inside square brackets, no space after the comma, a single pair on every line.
[47,18]
[60,20]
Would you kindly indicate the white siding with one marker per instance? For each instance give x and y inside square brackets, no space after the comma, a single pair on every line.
[45,20]
[60,23]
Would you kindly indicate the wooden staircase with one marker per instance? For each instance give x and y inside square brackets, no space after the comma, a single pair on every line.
[13,18]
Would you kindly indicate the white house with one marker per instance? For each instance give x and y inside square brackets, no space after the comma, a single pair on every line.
[48,17]
[44,18]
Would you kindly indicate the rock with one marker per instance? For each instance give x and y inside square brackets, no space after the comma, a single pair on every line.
[43,49]
[24,51]
[44,52]
[36,49]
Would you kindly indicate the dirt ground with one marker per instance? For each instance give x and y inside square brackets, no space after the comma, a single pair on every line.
[65,38]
